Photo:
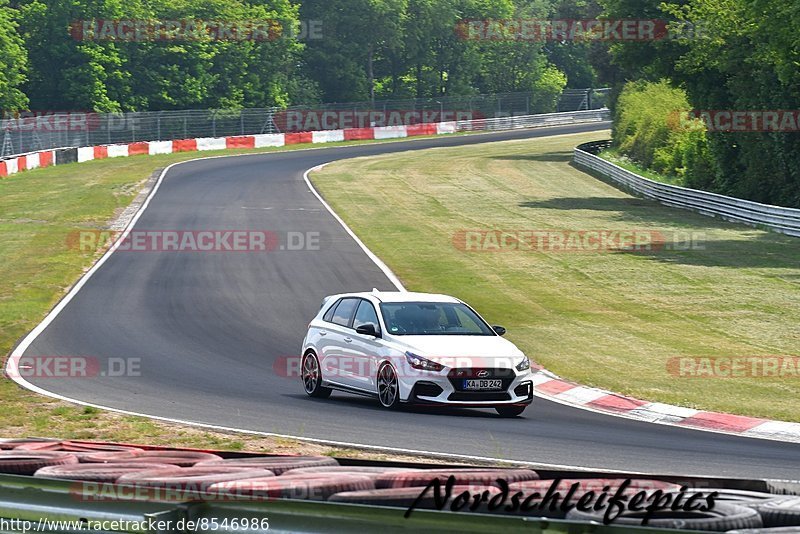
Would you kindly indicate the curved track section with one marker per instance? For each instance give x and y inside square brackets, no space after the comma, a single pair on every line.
[212,331]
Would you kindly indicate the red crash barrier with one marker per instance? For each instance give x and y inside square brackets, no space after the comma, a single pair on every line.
[244,141]
[100,152]
[184,145]
[354,134]
[135,149]
[45,159]
[297,138]
[421,129]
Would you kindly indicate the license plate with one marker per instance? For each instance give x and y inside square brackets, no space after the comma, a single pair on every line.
[483,384]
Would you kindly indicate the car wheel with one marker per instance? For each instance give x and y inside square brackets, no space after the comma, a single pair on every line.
[511,410]
[312,378]
[388,388]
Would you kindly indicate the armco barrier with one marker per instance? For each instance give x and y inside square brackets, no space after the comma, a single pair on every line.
[533,121]
[777,218]
[72,154]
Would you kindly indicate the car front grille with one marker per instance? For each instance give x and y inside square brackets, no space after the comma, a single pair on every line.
[458,375]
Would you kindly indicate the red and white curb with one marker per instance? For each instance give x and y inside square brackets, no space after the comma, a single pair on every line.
[551,387]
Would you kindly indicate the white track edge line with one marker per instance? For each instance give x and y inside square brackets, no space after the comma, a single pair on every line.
[375,259]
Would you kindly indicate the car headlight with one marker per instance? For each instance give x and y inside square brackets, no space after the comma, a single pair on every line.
[418,362]
[524,365]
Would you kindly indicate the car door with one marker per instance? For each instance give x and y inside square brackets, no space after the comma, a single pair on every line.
[336,343]
[366,349]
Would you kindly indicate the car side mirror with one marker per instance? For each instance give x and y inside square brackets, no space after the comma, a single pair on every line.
[367,330]
[499,330]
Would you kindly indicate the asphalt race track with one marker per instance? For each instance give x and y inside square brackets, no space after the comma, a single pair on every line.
[211,330]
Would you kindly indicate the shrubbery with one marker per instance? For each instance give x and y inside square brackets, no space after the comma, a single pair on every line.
[652,128]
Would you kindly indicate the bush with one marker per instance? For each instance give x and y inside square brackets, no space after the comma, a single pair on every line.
[651,126]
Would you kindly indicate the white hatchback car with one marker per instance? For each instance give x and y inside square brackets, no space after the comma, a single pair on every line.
[413,348]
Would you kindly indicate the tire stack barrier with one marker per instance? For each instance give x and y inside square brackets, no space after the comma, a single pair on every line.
[101,469]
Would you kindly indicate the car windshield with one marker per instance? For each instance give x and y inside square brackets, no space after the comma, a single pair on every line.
[433,319]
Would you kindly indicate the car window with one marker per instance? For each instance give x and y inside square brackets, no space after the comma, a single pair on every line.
[366,314]
[329,314]
[344,311]
[466,321]
[433,318]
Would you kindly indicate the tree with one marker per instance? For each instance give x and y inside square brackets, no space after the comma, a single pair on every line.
[13,61]
[744,59]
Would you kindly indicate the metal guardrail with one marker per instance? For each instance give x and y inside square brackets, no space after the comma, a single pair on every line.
[776,218]
[534,121]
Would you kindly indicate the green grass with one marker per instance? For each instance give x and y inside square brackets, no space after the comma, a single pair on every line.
[607,319]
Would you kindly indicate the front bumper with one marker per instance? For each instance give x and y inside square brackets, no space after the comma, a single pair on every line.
[446,387]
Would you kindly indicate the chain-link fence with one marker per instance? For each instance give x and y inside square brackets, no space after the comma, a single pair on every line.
[33,131]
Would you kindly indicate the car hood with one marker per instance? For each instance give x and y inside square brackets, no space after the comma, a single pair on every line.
[440,348]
